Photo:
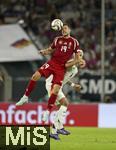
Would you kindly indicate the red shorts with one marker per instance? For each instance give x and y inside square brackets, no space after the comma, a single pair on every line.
[51,67]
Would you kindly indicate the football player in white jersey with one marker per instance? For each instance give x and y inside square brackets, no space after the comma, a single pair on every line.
[61,101]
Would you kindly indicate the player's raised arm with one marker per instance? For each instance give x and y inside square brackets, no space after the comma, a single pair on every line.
[76,60]
[46,51]
[70,63]
[50,49]
[82,63]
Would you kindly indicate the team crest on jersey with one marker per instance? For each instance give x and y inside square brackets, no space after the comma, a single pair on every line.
[60,42]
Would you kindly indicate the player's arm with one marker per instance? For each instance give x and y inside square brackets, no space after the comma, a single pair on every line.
[76,86]
[70,63]
[50,49]
[46,51]
[82,63]
[78,57]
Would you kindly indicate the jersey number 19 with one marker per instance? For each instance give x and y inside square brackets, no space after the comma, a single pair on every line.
[64,48]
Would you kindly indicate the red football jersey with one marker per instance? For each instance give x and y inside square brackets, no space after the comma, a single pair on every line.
[64,48]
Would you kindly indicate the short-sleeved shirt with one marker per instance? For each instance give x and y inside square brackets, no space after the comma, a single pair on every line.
[64,49]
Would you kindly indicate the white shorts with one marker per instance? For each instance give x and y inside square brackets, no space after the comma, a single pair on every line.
[68,76]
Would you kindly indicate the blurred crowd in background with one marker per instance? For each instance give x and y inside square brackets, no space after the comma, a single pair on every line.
[84,18]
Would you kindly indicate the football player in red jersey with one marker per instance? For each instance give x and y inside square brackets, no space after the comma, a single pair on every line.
[62,49]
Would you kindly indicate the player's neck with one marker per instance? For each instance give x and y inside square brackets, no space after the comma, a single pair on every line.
[67,36]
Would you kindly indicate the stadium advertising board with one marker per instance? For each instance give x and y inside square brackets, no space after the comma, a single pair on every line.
[31,114]
[92,86]
[96,115]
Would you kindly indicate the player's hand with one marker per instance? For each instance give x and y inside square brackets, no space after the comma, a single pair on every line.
[82,63]
[42,52]
[77,87]
[46,51]
[80,53]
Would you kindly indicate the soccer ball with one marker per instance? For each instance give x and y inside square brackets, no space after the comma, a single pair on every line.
[57,24]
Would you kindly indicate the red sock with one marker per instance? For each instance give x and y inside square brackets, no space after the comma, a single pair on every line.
[51,101]
[30,87]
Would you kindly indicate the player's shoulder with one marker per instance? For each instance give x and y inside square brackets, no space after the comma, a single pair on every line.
[57,38]
[75,40]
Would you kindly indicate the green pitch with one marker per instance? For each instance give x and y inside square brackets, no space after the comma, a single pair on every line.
[86,139]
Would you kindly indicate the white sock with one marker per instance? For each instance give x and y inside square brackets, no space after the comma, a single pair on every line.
[60,125]
[61,116]
[54,130]
[59,119]
[55,125]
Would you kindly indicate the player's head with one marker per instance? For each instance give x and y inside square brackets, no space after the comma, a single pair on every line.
[66,30]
